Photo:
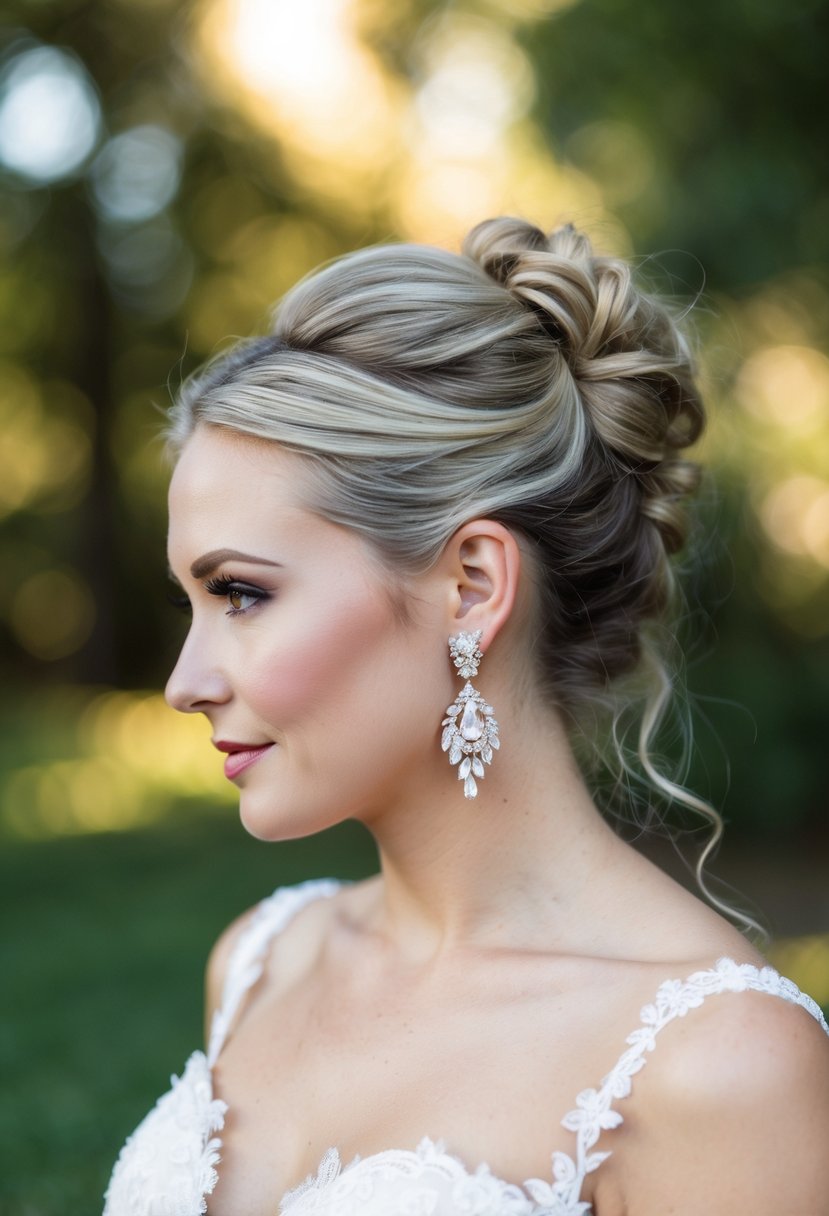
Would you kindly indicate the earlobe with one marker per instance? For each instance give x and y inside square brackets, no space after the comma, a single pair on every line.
[486,567]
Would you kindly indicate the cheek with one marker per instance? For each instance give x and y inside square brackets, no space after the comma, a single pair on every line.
[320,664]
[355,704]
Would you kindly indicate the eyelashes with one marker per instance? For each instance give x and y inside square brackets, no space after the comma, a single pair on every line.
[230,589]
[181,602]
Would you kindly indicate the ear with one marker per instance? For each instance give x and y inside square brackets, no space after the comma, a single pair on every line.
[484,562]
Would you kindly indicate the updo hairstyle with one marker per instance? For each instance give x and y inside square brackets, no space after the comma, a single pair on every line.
[526,380]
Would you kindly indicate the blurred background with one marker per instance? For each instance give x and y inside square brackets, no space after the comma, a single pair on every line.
[167,170]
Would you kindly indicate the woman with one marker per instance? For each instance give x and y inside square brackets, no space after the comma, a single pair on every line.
[482,450]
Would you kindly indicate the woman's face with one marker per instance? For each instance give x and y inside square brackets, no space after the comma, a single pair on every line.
[323,701]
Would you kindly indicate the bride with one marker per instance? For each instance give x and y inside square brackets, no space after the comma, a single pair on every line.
[425,529]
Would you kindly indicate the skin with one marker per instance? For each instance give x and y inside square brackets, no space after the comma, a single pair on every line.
[494,966]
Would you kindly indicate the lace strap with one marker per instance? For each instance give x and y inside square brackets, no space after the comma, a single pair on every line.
[247,959]
[594,1111]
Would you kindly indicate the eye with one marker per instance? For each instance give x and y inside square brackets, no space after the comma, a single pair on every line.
[182,602]
[240,600]
[241,597]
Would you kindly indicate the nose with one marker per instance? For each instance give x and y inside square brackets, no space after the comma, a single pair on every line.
[196,683]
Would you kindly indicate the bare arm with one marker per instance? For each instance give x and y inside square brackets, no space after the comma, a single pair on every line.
[735,1119]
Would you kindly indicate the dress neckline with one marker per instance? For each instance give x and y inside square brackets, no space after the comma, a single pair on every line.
[168,1165]
[593,1114]
[526,1198]
[245,967]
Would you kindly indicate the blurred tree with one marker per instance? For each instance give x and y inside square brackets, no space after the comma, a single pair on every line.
[702,123]
[121,246]
[168,169]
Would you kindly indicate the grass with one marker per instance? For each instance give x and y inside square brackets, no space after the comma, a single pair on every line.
[102,966]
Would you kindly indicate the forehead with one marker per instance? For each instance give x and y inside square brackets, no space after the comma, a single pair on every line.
[225,484]
[210,449]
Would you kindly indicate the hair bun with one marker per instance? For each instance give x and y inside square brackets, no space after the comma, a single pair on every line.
[519,257]
[630,363]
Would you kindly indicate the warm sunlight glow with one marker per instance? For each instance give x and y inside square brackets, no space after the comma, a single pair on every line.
[435,152]
[300,72]
[796,516]
[787,386]
[473,149]
[280,47]
[132,756]
[478,82]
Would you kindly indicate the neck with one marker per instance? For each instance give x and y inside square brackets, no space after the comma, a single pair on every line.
[503,868]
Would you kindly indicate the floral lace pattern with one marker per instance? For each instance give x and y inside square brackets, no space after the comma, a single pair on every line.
[594,1111]
[167,1167]
[399,1182]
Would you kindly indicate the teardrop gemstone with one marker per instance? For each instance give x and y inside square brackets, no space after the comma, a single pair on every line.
[472,722]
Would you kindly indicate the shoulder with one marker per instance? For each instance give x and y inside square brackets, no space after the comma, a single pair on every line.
[732,1112]
[297,916]
[219,959]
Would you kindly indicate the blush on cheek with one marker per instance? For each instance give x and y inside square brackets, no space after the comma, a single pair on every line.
[283,688]
[315,668]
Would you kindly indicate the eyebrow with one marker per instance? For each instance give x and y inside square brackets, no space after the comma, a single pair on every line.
[209,562]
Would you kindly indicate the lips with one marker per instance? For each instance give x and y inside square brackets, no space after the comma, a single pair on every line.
[241,755]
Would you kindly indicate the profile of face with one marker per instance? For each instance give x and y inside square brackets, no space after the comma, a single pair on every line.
[296,654]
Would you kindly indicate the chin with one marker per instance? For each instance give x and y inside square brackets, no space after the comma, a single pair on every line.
[263,819]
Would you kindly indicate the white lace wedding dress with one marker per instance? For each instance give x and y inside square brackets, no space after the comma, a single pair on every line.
[168,1166]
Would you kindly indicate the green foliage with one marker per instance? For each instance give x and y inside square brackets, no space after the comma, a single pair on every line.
[724,102]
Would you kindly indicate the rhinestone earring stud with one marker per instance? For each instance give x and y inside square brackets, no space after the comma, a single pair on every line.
[470,732]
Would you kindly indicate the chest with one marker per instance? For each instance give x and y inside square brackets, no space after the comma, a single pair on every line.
[490,1070]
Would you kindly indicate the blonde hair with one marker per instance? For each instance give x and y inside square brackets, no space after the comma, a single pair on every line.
[528,380]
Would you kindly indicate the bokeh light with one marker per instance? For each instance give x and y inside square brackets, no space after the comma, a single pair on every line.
[49,114]
[149,266]
[131,754]
[261,55]
[787,386]
[52,613]
[795,513]
[137,173]
[45,452]
[477,83]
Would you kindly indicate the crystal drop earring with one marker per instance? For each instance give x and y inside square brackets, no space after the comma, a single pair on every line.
[471,741]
